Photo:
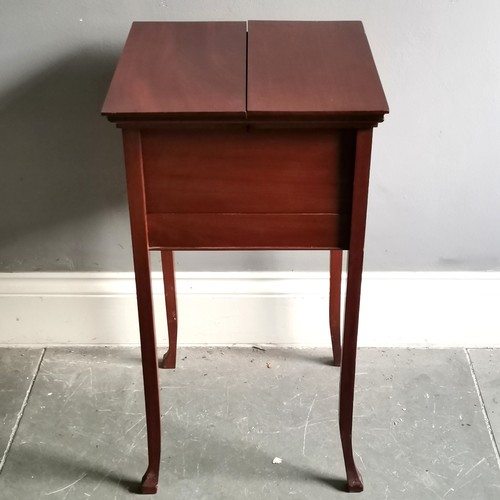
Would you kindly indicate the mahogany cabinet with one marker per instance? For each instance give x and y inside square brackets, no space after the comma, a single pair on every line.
[247,136]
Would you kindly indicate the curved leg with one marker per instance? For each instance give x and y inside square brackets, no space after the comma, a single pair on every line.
[150,374]
[167,262]
[135,186]
[149,371]
[335,282]
[346,399]
[354,272]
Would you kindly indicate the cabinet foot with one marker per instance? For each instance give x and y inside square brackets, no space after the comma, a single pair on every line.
[354,482]
[149,483]
[169,359]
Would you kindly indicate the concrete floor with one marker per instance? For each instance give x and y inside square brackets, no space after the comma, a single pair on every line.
[73,424]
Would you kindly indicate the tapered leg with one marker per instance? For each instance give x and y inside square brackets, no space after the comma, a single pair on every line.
[335,283]
[135,186]
[353,293]
[149,370]
[167,261]
[346,399]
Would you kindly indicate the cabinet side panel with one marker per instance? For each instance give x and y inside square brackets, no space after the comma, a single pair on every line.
[248,171]
[248,231]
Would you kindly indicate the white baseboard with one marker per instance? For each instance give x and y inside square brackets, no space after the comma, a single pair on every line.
[286,308]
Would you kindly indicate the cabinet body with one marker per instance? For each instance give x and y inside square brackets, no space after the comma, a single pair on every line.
[245,188]
[237,140]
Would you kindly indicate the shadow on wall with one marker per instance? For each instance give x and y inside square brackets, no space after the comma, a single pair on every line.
[63,201]
[60,162]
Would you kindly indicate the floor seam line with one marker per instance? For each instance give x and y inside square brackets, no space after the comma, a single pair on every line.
[21,411]
[483,407]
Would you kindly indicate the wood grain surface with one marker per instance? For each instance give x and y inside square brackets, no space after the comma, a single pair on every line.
[259,142]
[193,70]
[247,231]
[258,171]
[138,227]
[305,70]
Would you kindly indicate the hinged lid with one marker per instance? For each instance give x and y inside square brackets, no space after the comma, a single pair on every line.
[291,70]
[185,70]
[312,70]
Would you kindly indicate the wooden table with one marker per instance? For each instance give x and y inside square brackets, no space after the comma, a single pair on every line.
[246,136]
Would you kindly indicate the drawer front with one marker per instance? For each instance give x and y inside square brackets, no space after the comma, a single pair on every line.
[247,231]
[240,171]
[248,189]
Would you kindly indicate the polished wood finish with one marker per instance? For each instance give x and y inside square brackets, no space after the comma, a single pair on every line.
[187,70]
[167,262]
[353,294]
[248,171]
[137,206]
[335,303]
[269,151]
[247,231]
[312,70]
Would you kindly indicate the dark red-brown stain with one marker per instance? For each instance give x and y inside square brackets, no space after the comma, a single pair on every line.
[180,69]
[316,69]
[320,70]
[234,142]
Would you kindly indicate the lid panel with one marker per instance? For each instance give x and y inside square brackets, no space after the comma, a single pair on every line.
[188,69]
[312,69]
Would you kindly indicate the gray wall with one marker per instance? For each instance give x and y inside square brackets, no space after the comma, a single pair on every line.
[435,185]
